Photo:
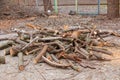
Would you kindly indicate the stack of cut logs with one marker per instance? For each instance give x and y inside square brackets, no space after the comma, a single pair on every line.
[59,48]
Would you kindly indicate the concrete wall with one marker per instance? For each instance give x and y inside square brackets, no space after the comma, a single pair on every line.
[61,2]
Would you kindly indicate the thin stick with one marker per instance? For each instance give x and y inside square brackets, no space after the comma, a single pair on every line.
[102,50]
[34,50]
[30,43]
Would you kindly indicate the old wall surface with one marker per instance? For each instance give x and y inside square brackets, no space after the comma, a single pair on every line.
[61,2]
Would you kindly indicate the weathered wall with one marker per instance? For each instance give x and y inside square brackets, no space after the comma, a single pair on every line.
[61,2]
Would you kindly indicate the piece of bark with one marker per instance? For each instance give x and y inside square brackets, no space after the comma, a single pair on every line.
[6,43]
[2,59]
[54,63]
[39,56]
[20,61]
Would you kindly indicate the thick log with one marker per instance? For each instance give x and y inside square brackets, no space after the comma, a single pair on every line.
[15,49]
[8,36]
[20,61]
[6,43]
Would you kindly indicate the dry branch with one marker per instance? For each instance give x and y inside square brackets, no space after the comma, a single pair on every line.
[55,58]
[54,63]
[105,51]
[6,43]
[39,56]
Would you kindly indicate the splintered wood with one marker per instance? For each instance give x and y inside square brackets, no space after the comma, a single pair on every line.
[62,47]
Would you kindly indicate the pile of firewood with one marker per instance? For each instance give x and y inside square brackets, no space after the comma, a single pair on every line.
[58,48]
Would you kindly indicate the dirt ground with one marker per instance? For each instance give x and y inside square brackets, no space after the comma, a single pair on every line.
[107,70]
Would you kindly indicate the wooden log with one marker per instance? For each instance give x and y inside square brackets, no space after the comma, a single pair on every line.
[55,58]
[84,53]
[105,51]
[54,63]
[6,43]
[8,36]
[48,56]
[20,41]
[2,59]
[76,68]
[24,36]
[39,56]
[20,61]
[101,57]
[15,49]
[7,51]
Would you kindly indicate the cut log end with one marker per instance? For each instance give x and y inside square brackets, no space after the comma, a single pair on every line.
[21,67]
[35,61]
